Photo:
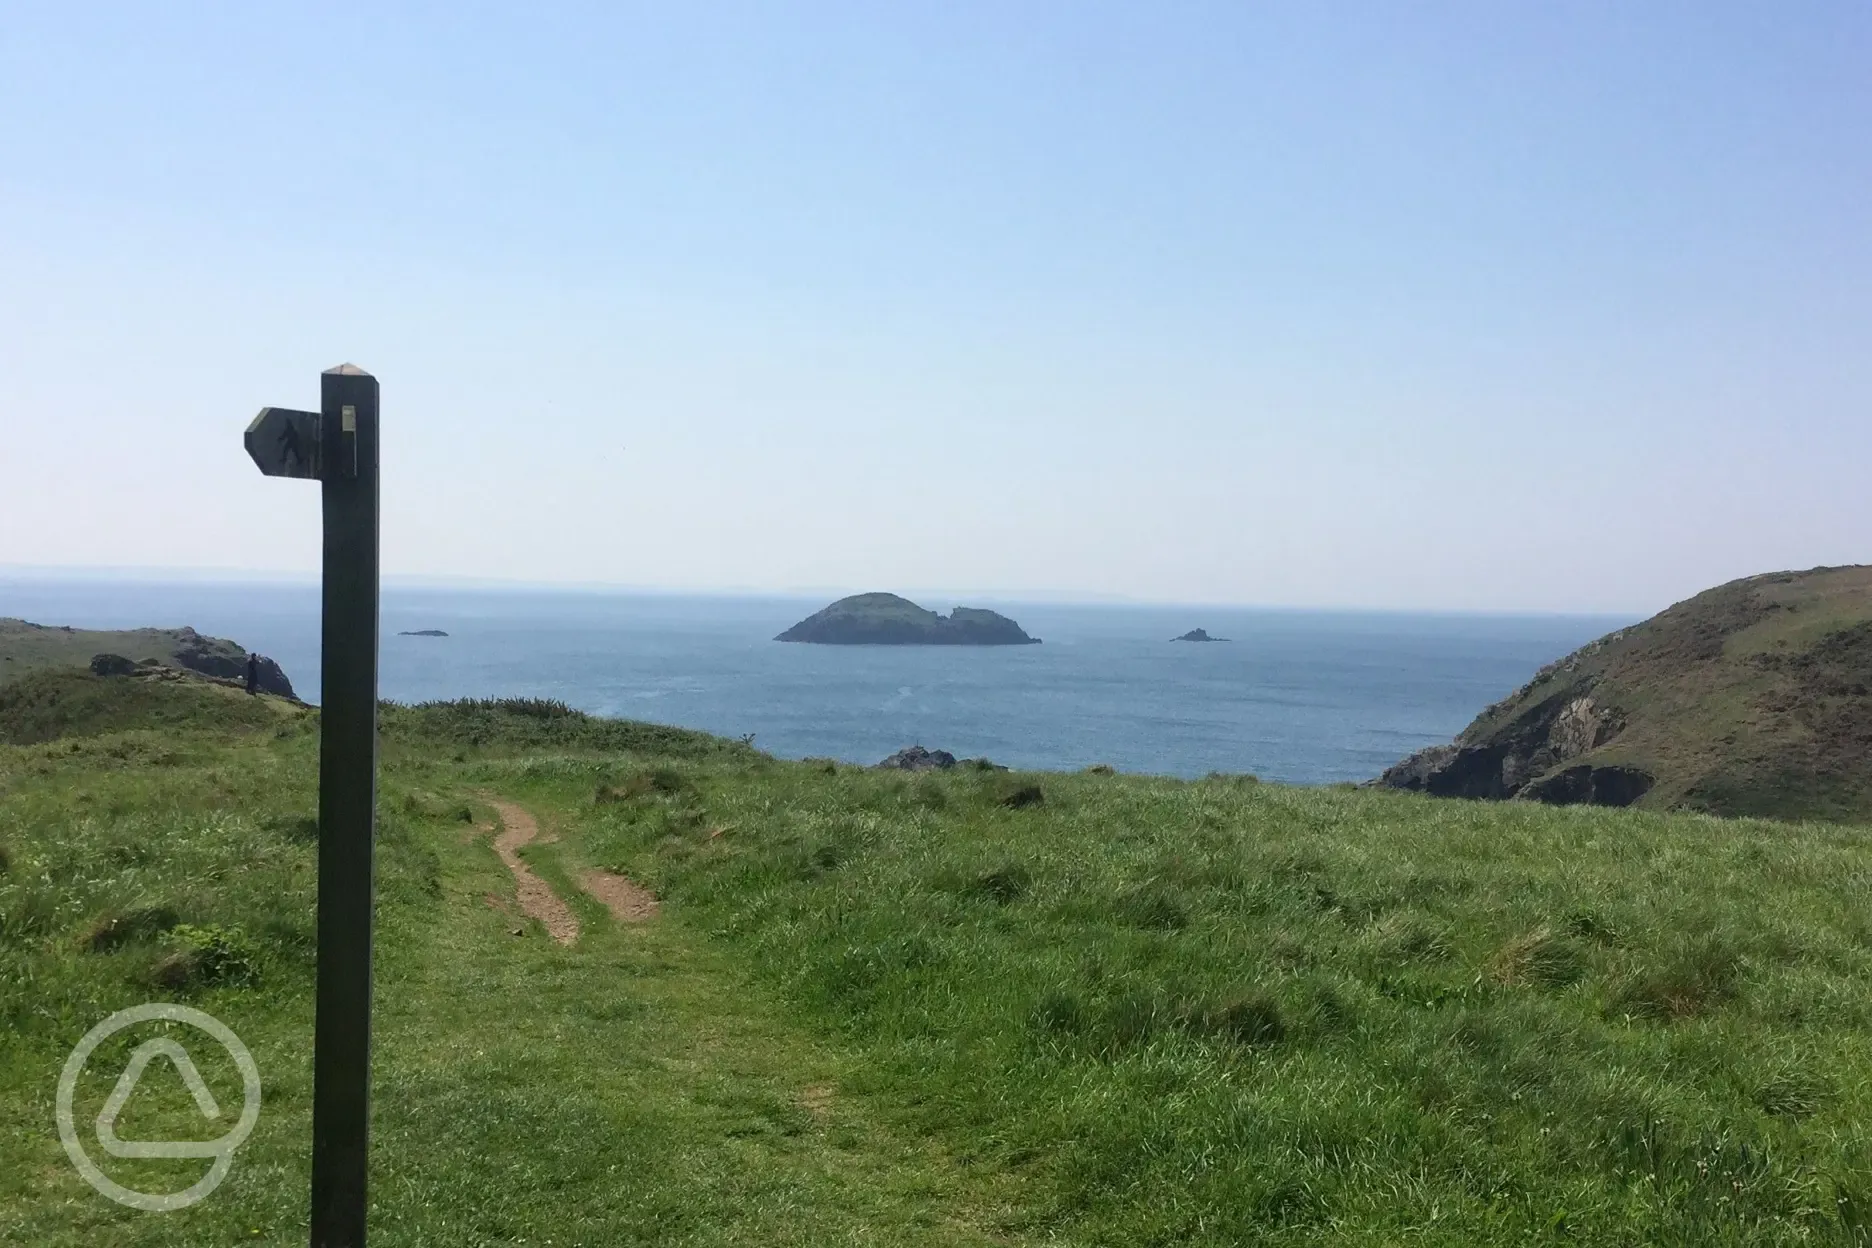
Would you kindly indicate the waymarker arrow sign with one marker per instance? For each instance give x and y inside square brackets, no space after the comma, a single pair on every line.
[285,443]
[337,446]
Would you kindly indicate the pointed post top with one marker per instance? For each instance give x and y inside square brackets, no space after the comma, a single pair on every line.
[346,370]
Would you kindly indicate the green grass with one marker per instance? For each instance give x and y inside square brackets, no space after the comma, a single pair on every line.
[70,702]
[883,1008]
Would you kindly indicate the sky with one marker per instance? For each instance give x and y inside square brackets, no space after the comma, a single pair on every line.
[1463,306]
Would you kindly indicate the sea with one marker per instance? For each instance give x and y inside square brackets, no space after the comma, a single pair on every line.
[1299,697]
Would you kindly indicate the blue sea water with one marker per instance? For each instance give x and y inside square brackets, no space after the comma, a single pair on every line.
[1304,697]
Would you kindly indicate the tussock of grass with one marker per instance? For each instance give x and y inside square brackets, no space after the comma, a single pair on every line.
[1403,936]
[1690,980]
[1793,1093]
[1003,884]
[112,931]
[293,827]
[1585,923]
[1024,796]
[1110,1027]
[1537,958]
[1151,907]
[660,781]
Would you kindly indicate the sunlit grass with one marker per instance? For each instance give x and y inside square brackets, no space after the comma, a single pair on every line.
[961,1007]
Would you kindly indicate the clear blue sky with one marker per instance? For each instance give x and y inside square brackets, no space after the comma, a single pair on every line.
[1510,306]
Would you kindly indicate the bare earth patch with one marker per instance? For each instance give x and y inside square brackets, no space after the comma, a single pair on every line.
[536,896]
[817,1100]
[627,900]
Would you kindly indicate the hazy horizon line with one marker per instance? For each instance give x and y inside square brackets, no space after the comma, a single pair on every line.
[224,576]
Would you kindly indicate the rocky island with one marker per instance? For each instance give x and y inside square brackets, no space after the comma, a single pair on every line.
[1198,634]
[422,632]
[888,620]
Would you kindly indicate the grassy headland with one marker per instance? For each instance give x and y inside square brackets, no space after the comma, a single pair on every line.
[1752,698]
[885,1008]
[26,648]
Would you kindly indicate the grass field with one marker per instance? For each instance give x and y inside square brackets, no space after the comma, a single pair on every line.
[964,1008]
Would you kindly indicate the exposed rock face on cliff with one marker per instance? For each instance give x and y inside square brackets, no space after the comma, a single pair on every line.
[215,656]
[28,647]
[887,620]
[1753,698]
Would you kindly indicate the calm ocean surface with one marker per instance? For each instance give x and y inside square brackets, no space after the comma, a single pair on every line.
[1297,696]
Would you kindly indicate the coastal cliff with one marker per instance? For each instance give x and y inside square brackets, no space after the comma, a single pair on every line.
[1753,698]
[27,647]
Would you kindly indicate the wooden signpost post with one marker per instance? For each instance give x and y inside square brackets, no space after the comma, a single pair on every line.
[337,446]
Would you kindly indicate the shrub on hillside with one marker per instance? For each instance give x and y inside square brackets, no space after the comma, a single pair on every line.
[520,723]
[208,956]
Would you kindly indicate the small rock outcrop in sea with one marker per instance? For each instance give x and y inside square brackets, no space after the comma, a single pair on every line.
[1198,634]
[916,758]
[422,632]
[888,620]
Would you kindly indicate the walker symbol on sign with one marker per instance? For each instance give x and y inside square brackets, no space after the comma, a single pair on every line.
[285,443]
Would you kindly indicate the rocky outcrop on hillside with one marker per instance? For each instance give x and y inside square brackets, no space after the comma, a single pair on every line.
[215,656]
[27,647]
[916,758]
[1500,763]
[1753,698]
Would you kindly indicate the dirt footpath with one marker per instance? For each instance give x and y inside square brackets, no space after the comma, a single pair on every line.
[537,899]
[626,899]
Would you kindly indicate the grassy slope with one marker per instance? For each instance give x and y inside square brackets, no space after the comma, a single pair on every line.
[26,647]
[888,1009]
[1741,700]
[56,702]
